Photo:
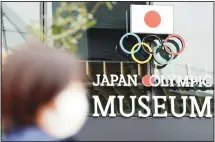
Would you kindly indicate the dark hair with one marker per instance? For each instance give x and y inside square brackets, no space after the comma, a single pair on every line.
[31,77]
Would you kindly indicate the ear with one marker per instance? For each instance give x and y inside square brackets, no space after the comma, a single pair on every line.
[49,106]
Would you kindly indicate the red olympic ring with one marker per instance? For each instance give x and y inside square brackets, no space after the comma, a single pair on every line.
[180,38]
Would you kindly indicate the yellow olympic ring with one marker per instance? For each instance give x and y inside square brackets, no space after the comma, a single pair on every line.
[135,59]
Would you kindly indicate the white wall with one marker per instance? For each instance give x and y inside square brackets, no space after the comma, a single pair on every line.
[194,22]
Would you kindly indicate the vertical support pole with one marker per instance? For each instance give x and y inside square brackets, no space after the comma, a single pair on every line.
[150,70]
[88,69]
[188,70]
[3,33]
[43,20]
[139,67]
[104,68]
[121,68]
[152,91]
[126,21]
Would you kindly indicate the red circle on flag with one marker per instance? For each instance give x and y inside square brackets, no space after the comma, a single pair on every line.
[152,19]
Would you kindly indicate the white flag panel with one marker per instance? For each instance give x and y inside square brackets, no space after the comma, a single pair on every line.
[151,19]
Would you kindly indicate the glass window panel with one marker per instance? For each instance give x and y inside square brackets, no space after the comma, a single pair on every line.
[17,16]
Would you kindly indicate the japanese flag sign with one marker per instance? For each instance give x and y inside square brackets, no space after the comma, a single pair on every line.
[151,19]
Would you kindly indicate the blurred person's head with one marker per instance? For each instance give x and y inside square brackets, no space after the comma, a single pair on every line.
[44,87]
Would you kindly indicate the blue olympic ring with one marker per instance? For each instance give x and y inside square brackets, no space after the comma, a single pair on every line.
[123,48]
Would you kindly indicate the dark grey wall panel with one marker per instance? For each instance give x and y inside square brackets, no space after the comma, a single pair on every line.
[115,18]
[111,25]
[102,43]
[148,129]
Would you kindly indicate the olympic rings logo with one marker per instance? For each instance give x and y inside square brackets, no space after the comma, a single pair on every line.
[163,51]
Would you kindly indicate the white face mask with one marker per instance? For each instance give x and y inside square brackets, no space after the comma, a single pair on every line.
[71,113]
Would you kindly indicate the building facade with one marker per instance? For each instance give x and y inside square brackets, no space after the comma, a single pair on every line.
[98,49]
